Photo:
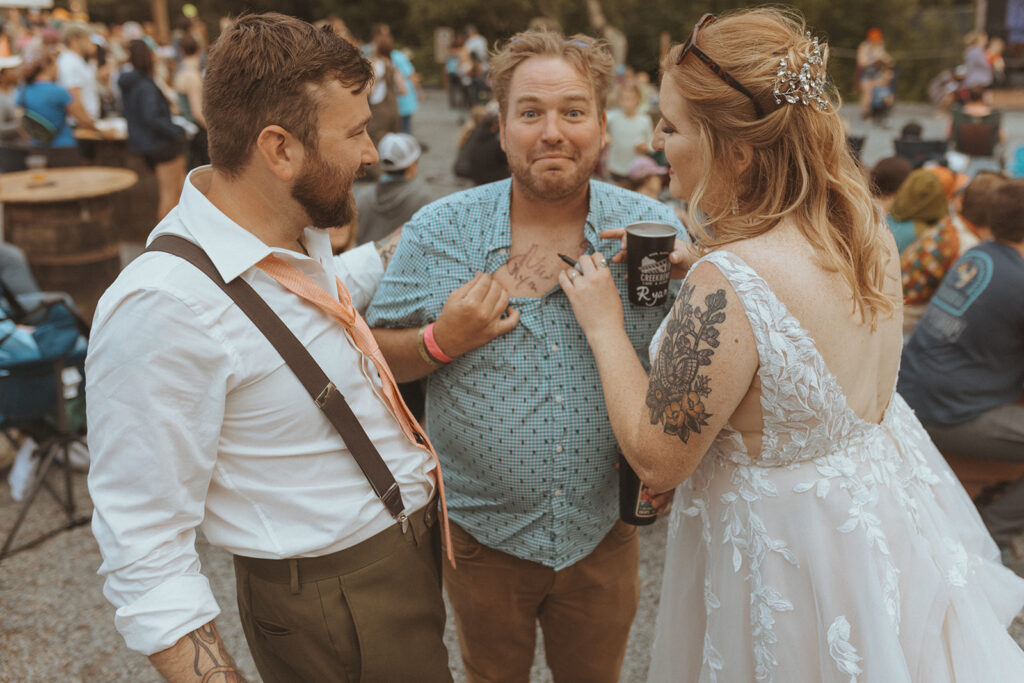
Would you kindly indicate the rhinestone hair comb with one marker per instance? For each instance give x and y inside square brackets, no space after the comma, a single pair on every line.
[806,86]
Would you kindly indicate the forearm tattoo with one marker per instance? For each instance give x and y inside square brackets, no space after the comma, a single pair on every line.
[210,661]
[677,389]
[387,246]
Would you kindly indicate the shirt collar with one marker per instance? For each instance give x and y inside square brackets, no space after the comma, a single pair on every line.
[970,226]
[499,235]
[232,248]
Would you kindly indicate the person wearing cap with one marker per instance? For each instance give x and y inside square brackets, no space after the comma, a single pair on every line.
[920,203]
[646,177]
[387,204]
[928,258]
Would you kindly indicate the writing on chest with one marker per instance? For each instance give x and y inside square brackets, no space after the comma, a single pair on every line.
[532,270]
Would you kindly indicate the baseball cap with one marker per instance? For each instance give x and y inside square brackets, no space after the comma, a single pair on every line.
[397,151]
[641,167]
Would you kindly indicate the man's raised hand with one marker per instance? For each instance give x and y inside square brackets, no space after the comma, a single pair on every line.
[472,316]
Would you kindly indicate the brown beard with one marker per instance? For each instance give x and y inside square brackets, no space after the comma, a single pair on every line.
[324,191]
[552,190]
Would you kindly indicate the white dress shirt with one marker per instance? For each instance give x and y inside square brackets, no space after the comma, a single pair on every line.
[196,421]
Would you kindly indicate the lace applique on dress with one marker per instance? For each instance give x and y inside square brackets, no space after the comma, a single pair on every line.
[835,516]
[844,654]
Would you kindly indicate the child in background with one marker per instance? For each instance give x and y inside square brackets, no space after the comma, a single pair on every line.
[646,177]
[629,132]
[883,97]
[647,92]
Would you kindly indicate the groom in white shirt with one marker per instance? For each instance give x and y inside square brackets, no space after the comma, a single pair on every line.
[195,420]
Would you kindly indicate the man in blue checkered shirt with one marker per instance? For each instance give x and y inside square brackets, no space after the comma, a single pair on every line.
[514,402]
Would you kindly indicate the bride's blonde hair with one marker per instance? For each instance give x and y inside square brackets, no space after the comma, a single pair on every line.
[801,169]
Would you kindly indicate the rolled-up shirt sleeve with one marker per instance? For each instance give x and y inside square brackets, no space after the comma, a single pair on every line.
[360,269]
[157,381]
[410,293]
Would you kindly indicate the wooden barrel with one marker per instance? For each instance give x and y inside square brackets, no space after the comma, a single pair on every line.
[135,208]
[65,225]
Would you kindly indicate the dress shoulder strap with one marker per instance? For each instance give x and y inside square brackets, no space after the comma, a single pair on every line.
[759,303]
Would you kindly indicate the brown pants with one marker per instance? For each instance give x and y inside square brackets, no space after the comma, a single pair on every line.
[372,612]
[585,610]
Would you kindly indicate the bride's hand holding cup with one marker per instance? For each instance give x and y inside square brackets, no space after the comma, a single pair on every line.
[683,255]
[595,299]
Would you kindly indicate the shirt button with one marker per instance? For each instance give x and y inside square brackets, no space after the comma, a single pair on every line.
[558,448]
[558,492]
[554,348]
[558,399]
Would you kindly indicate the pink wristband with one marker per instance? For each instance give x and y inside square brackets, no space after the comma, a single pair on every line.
[432,347]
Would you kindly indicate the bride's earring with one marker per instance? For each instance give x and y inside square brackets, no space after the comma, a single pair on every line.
[734,206]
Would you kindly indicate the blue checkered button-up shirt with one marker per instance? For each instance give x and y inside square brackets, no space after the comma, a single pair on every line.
[519,424]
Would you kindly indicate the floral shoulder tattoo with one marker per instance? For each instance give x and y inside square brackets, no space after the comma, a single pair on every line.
[677,389]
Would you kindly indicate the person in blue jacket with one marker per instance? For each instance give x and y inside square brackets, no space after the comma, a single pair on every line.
[151,133]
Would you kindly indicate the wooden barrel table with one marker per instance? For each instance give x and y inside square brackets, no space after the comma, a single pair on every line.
[63,218]
[135,210]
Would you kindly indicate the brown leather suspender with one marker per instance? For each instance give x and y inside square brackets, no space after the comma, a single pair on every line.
[323,391]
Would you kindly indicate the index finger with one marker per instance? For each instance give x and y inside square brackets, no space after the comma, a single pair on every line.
[480,282]
[613,233]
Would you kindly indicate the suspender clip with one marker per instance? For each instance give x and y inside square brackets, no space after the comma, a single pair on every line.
[324,396]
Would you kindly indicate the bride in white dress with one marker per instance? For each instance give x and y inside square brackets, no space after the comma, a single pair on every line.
[816,533]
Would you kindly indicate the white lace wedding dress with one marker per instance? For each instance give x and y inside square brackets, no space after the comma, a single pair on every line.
[846,552]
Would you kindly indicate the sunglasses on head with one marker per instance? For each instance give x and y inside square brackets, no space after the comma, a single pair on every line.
[691,47]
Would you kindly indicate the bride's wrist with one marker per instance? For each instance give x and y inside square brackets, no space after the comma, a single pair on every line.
[606,338]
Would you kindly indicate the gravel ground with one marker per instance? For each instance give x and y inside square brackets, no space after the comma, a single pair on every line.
[55,623]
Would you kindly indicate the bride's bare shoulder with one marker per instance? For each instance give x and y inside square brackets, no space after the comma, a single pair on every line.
[778,251]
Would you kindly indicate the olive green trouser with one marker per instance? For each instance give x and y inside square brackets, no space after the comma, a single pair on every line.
[370,613]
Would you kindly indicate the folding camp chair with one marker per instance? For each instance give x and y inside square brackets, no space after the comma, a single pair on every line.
[917,152]
[34,400]
[975,136]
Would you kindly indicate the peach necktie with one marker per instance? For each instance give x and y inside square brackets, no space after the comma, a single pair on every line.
[344,312]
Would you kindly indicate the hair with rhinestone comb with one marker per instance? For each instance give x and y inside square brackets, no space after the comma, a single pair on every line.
[800,167]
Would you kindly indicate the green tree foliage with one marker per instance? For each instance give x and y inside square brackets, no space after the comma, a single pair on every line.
[924,36]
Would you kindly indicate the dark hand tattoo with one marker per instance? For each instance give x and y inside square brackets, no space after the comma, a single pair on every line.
[677,390]
[210,661]
[387,246]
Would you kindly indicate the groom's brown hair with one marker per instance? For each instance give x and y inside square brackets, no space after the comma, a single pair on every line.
[265,70]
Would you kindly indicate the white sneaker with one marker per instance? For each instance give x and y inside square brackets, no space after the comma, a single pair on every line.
[78,454]
[23,472]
